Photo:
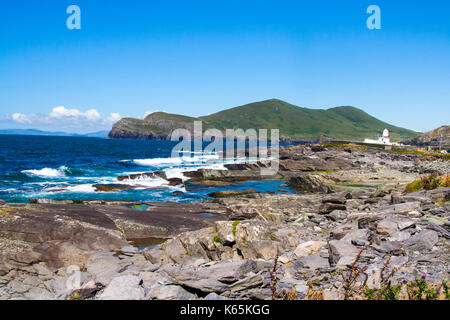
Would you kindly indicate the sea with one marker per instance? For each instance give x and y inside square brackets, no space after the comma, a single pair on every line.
[70,167]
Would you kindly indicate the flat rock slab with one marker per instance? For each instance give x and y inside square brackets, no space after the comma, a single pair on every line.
[90,226]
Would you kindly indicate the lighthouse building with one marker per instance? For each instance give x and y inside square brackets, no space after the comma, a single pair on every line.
[384,139]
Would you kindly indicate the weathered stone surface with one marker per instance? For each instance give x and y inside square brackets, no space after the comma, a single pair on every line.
[399,236]
[423,241]
[309,247]
[338,249]
[250,282]
[311,183]
[327,208]
[104,266]
[124,288]
[341,230]
[232,193]
[387,226]
[170,292]
[314,261]
[228,271]
[358,235]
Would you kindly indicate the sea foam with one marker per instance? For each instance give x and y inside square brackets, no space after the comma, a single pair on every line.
[47,172]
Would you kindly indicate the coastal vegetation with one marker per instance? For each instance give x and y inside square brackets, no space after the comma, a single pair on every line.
[429,182]
[293,122]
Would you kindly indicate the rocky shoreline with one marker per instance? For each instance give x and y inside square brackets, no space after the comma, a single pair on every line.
[351,216]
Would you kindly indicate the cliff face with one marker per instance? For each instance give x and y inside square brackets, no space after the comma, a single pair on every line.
[436,137]
[157,126]
[295,123]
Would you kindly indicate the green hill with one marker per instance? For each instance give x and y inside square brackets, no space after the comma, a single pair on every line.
[294,122]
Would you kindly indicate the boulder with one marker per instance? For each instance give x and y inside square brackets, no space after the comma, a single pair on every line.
[311,183]
[338,249]
[175,181]
[315,261]
[327,208]
[338,198]
[358,236]
[423,241]
[399,236]
[112,187]
[170,292]
[124,288]
[232,193]
[190,277]
[253,281]
[104,266]
[309,247]
[228,271]
[386,227]
[341,230]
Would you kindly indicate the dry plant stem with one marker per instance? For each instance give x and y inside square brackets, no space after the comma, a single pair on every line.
[354,274]
[273,277]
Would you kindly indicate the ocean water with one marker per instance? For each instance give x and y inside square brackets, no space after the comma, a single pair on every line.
[70,167]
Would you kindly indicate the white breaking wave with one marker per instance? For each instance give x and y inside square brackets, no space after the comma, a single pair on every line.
[156,162]
[81,188]
[47,172]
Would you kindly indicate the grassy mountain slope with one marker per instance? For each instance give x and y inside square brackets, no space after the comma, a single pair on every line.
[297,122]
[294,122]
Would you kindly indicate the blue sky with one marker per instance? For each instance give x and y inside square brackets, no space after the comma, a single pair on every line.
[198,57]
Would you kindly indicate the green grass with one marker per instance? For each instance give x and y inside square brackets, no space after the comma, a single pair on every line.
[291,120]
[235,224]
[217,239]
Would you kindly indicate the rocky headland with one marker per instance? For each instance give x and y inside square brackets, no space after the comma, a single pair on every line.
[351,232]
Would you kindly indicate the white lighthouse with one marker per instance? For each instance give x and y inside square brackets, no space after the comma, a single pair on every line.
[385,139]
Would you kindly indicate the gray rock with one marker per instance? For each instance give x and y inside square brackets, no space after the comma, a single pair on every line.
[338,215]
[327,208]
[215,296]
[170,292]
[401,208]
[247,283]
[315,261]
[309,247]
[129,250]
[228,271]
[399,236]
[410,198]
[153,255]
[37,293]
[104,266]
[359,235]
[423,241]
[188,276]
[338,249]
[387,227]
[341,230]
[124,288]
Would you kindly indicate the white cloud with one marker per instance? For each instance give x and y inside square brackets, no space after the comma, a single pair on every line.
[62,112]
[21,118]
[62,117]
[113,117]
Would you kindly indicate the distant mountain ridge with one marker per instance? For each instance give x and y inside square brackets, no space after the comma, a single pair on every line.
[35,132]
[294,122]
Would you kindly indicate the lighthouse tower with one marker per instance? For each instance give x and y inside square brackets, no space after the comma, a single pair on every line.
[386,137]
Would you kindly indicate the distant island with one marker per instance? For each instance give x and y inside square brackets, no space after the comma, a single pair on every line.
[294,123]
[34,132]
